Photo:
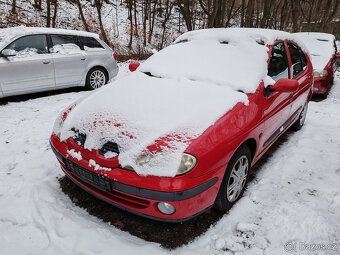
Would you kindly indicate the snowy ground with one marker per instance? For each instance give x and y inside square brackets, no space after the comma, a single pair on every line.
[293,202]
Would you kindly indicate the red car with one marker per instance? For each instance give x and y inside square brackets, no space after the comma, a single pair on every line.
[323,50]
[181,133]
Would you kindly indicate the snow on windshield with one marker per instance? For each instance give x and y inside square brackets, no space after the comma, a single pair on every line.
[138,109]
[320,46]
[236,58]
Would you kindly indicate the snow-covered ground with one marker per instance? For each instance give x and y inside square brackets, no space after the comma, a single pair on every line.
[293,202]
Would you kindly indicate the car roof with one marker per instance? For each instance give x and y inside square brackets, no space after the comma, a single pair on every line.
[267,36]
[9,34]
[316,35]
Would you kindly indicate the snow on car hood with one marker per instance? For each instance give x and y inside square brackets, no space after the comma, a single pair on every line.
[138,109]
[236,58]
[320,46]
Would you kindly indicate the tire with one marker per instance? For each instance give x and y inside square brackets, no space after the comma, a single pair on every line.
[96,78]
[227,196]
[298,124]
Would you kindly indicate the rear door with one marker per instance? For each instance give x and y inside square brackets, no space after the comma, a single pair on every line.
[31,69]
[276,104]
[69,60]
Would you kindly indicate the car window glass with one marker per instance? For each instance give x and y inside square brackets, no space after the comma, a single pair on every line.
[296,60]
[65,39]
[89,42]
[30,44]
[303,59]
[278,63]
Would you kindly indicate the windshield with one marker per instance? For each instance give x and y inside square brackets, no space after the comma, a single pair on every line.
[239,65]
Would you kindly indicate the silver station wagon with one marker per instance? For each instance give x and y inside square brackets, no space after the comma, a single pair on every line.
[40,59]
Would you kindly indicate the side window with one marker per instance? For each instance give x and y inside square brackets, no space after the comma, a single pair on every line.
[65,39]
[297,65]
[30,43]
[89,42]
[278,63]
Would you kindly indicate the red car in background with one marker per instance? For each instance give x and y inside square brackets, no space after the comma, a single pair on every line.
[214,166]
[323,50]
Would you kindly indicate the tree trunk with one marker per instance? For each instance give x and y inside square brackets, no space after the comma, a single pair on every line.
[80,8]
[48,15]
[55,13]
[14,5]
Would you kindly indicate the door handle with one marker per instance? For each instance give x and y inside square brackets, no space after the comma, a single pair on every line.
[82,58]
[46,62]
[290,95]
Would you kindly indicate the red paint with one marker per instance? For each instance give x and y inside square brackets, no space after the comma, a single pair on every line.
[114,56]
[323,83]
[253,124]
[133,66]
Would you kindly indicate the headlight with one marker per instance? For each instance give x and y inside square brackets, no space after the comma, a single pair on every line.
[58,125]
[320,73]
[188,162]
[143,159]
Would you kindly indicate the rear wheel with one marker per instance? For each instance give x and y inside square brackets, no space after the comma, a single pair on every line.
[301,120]
[96,78]
[234,180]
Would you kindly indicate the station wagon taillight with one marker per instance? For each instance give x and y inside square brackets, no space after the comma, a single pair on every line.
[114,56]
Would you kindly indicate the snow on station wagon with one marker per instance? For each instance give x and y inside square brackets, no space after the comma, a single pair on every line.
[181,133]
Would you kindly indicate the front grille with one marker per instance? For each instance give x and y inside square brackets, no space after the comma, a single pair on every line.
[78,137]
[102,183]
[109,147]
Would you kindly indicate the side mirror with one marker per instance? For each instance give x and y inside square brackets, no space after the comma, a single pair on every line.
[133,66]
[8,53]
[285,85]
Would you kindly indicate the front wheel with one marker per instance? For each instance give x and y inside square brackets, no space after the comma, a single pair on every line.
[96,78]
[298,124]
[234,180]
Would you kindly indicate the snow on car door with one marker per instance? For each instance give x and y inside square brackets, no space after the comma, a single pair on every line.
[29,67]
[69,60]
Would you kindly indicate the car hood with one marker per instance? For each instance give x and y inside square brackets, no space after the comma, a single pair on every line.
[138,112]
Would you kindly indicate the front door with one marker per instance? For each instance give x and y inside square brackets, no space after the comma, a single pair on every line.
[276,104]
[31,67]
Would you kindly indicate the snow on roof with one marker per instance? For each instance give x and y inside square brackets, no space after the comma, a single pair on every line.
[320,46]
[137,110]
[8,34]
[234,57]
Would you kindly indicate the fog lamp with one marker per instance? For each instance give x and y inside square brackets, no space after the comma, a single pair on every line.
[166,208]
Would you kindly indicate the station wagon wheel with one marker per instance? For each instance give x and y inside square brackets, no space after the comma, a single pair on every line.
[96,78]
[301,120]
[234,180]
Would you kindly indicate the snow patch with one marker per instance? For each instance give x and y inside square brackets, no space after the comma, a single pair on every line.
[74,154]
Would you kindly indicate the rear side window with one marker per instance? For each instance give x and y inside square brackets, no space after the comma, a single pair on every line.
[64,39]
[89,42]
[278,63]
[297,58]
[32,43]
[303,59]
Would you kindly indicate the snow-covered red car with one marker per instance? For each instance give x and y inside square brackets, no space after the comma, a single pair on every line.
[323,51]
[180,134]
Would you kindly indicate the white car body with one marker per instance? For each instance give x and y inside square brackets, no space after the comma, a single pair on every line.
[52,64]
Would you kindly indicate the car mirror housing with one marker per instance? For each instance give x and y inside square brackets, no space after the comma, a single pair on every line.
[133,66]
[8,53]
[285,85]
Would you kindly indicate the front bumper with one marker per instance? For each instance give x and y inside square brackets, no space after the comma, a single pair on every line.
[140,194]
[321,85]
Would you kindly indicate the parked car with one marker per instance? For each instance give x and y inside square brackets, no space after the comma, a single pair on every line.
[323,50]
[180,134]
[40,59]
